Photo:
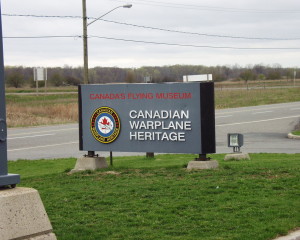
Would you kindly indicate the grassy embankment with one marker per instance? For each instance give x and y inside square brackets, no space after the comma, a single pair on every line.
[156,199]
[258,84]
[32,110]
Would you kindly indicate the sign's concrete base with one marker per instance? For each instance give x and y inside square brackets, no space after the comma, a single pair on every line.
[89,163]
[237,156]
[23,216]
[203,164]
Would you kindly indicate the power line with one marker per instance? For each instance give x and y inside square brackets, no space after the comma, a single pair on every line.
[158,43]
[156,28]
[37,16]
[209,8]
[197,46]
[201,34]
[35,37]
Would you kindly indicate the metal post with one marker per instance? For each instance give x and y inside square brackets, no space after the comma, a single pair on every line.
[91,154]
[111,158]
[85,44]
[202,157]
[45,72]
[37,86]
[5,178]
[149,154]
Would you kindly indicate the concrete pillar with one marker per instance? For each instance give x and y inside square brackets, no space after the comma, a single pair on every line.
[23,216]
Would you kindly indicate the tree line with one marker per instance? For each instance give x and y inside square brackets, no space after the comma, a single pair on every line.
[19,76]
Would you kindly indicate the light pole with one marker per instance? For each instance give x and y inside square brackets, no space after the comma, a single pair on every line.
[85,42]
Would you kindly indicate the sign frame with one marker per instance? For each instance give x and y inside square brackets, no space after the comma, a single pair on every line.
[201,115]
[5,178]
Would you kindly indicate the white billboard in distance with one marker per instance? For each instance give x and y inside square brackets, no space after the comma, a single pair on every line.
[40,74]
[197,78]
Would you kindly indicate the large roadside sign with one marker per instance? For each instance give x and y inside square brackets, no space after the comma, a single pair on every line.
[161,118]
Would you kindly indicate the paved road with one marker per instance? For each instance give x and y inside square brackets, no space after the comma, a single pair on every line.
[264,127]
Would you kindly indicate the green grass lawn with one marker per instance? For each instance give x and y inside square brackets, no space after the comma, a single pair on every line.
[255,97]
[41,99]
[141,198]
[41,89]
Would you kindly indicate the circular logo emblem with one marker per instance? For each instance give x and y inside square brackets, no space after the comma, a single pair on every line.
[105,125]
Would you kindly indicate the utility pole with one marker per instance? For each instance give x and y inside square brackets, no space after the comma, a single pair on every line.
[85,45]
[85,37]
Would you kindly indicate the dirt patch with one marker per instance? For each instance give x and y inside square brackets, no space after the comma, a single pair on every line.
[111,173]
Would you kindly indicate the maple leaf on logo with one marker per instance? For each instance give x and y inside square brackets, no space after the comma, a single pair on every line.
[105,122]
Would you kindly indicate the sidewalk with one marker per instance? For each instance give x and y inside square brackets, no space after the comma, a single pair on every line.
[292,236]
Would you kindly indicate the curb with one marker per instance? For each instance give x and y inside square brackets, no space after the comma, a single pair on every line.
[292,236]
[292,136]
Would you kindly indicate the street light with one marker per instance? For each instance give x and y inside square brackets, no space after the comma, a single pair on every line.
[85,43]
[124,6]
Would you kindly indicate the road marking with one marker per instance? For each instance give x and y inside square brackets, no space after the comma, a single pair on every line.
[31,136]
[224,116]
[262,112]
[44,146]
[49,131]
[265,120]
[257,108]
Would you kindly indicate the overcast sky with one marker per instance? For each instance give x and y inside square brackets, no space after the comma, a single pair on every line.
[206,32]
